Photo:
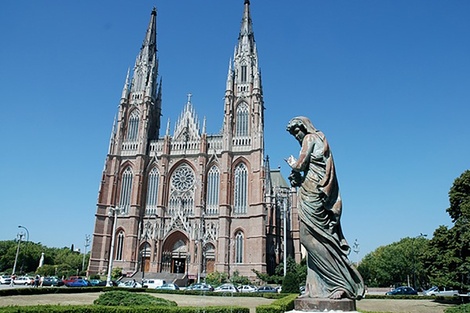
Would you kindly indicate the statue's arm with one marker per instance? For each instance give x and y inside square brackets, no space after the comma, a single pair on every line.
[304,157]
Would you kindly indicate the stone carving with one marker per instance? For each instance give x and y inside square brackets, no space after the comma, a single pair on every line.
[329,272]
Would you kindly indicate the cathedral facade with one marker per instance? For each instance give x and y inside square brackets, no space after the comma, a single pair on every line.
[192,203]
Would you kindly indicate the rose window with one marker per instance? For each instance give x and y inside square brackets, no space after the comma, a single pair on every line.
[183,178]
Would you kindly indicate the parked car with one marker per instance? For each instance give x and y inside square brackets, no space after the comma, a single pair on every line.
[226,288]
[23,280]
[78,283]
[97,282]
[267,289]
[436,291]
[247,288]
[130,284]
[200,287]
[403,290]
[153,283]
[52,281]
[168,286]
[5,279]
[71,279]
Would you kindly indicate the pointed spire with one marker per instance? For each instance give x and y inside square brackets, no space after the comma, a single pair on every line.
[125,89]
[246,39]
[204,125]
[151,35]
[146,65]
[168,128]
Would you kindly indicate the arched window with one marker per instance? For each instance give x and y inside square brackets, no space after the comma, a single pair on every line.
[243,76]
[182,185]
[241,189]
[152,192]
[133,127]
[126,191]
[241,129]
[119,246]
[213,187]
[239,247]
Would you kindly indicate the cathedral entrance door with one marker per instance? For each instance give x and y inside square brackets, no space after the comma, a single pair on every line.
[147,264]
[210,266]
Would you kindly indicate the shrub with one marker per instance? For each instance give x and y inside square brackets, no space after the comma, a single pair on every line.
[125,298]
[290,283]
[279,306]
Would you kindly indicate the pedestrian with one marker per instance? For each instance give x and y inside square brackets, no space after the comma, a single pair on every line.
[12,281]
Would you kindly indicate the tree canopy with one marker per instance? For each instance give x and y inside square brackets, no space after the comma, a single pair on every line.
[57,261]
[444,260]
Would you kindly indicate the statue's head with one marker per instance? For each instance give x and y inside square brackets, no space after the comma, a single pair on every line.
[301,122]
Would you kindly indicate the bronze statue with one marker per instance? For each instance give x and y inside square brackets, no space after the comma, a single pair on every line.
[330,273]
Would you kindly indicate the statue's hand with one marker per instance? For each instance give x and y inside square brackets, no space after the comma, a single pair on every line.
[291,161]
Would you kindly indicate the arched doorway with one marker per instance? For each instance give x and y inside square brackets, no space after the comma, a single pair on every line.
[145,253]
[209,258]
[175,254]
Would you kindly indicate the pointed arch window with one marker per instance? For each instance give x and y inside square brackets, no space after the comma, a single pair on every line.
[152,192]
[241,129]
[133,127]
[126,191]
[213,187]
[241,189]
[244,71]
[182,191]
[120,246]
[239,238]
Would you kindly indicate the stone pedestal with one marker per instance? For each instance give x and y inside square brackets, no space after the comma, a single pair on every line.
[324,305]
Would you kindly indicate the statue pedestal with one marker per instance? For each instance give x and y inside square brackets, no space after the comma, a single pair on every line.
[324,305]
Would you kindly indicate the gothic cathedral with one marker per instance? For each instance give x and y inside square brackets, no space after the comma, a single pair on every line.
[190,203]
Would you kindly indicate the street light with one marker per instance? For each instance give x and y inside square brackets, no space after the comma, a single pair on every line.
[421,235]
[112,212]
[87,243]
[27,232]
[20,235]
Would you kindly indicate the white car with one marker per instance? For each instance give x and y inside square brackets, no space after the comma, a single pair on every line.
[226,288]
[247,288]
[23,280]
[130,284]
[153,283]
[435,291]
[5,279]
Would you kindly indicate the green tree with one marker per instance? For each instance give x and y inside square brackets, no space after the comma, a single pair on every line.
[395,264]
[238,279]
[216,278]
[448,257]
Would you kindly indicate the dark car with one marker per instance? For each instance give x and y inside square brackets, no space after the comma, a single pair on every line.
[403,290]
[52,281]
[200,287]
[78,283]
[267,289]
[97,282]
[168,286]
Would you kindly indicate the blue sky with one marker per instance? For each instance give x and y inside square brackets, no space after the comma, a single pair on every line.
[386,81]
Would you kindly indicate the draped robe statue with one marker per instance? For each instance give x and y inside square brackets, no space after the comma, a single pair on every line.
[330,273]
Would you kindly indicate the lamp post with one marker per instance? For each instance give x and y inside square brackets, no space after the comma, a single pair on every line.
[284,211]
[87,243]
[20,235]
[27,232]
[112,212]
[356,250]
[421,235]
[27,240]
